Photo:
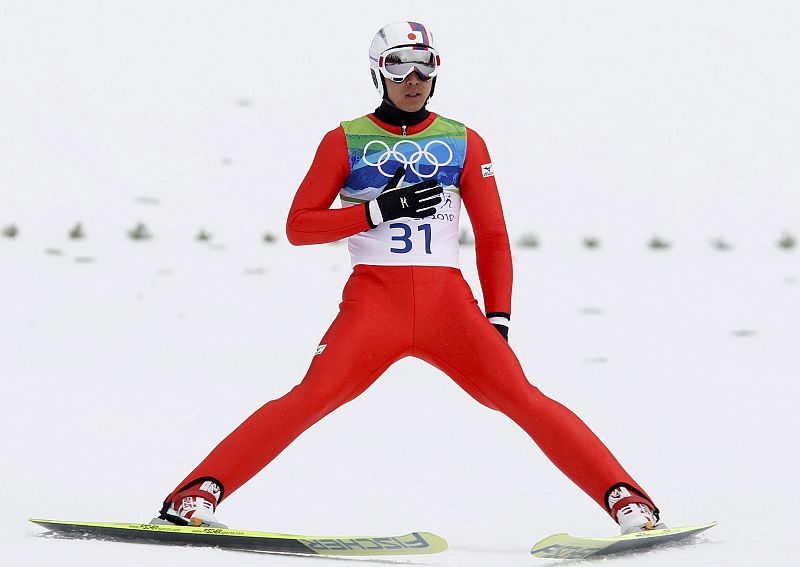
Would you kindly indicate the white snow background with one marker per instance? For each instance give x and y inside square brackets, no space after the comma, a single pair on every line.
[124,362]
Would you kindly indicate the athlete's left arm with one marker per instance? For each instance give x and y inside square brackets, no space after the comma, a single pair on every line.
[492,250]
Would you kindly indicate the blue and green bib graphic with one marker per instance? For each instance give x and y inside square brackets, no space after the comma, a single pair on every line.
[435,153]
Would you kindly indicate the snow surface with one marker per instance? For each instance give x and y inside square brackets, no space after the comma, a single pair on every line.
[124,362]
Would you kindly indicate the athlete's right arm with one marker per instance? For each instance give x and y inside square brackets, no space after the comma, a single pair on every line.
[311,220]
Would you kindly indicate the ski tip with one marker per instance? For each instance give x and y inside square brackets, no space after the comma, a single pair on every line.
[437,542]
[47,524]
[44,522]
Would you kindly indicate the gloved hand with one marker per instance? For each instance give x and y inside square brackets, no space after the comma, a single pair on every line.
[501,322]
[415,201]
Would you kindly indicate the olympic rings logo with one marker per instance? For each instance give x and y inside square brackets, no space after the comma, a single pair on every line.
[412,161]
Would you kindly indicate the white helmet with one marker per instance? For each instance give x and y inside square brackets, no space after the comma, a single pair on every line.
[392,38]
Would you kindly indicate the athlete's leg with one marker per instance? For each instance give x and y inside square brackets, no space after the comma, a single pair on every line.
[463,344]
[363,341]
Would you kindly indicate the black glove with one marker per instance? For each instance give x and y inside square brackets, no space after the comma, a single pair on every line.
[415,201]
[501,322]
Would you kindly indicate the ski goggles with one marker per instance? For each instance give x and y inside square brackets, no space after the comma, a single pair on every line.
[398,63]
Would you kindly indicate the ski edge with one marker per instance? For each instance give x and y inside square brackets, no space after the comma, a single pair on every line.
[413,543]
[562,545]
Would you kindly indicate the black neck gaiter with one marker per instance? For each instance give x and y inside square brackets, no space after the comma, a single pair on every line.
[389,113]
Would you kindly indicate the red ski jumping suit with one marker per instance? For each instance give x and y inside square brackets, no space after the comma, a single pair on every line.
[388,307]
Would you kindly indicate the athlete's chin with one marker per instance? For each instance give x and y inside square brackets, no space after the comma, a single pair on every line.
[412,103]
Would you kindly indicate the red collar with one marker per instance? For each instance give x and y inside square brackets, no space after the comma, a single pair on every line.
[410,130]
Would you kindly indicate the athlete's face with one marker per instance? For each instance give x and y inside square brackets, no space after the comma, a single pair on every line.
[411,94]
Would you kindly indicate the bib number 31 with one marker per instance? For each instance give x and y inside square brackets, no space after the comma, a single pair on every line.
[405,237]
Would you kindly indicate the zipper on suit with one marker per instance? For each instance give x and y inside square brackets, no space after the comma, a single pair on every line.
[403,130]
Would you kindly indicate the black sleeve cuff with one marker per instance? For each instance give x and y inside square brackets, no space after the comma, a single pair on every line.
[499,314]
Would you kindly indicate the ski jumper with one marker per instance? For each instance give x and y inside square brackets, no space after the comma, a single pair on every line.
[407,297]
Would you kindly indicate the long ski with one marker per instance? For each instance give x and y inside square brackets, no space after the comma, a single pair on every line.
[565,546]
[415,543]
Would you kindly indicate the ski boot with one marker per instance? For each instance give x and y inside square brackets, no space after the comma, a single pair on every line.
[632,511]
[192,506]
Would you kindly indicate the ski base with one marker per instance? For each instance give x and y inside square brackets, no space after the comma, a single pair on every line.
[415,543]
[565,546]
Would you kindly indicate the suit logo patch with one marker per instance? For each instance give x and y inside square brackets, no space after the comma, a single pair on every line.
[487,170]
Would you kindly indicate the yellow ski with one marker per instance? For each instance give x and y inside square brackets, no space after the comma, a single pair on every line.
[414,543]
[565,546]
